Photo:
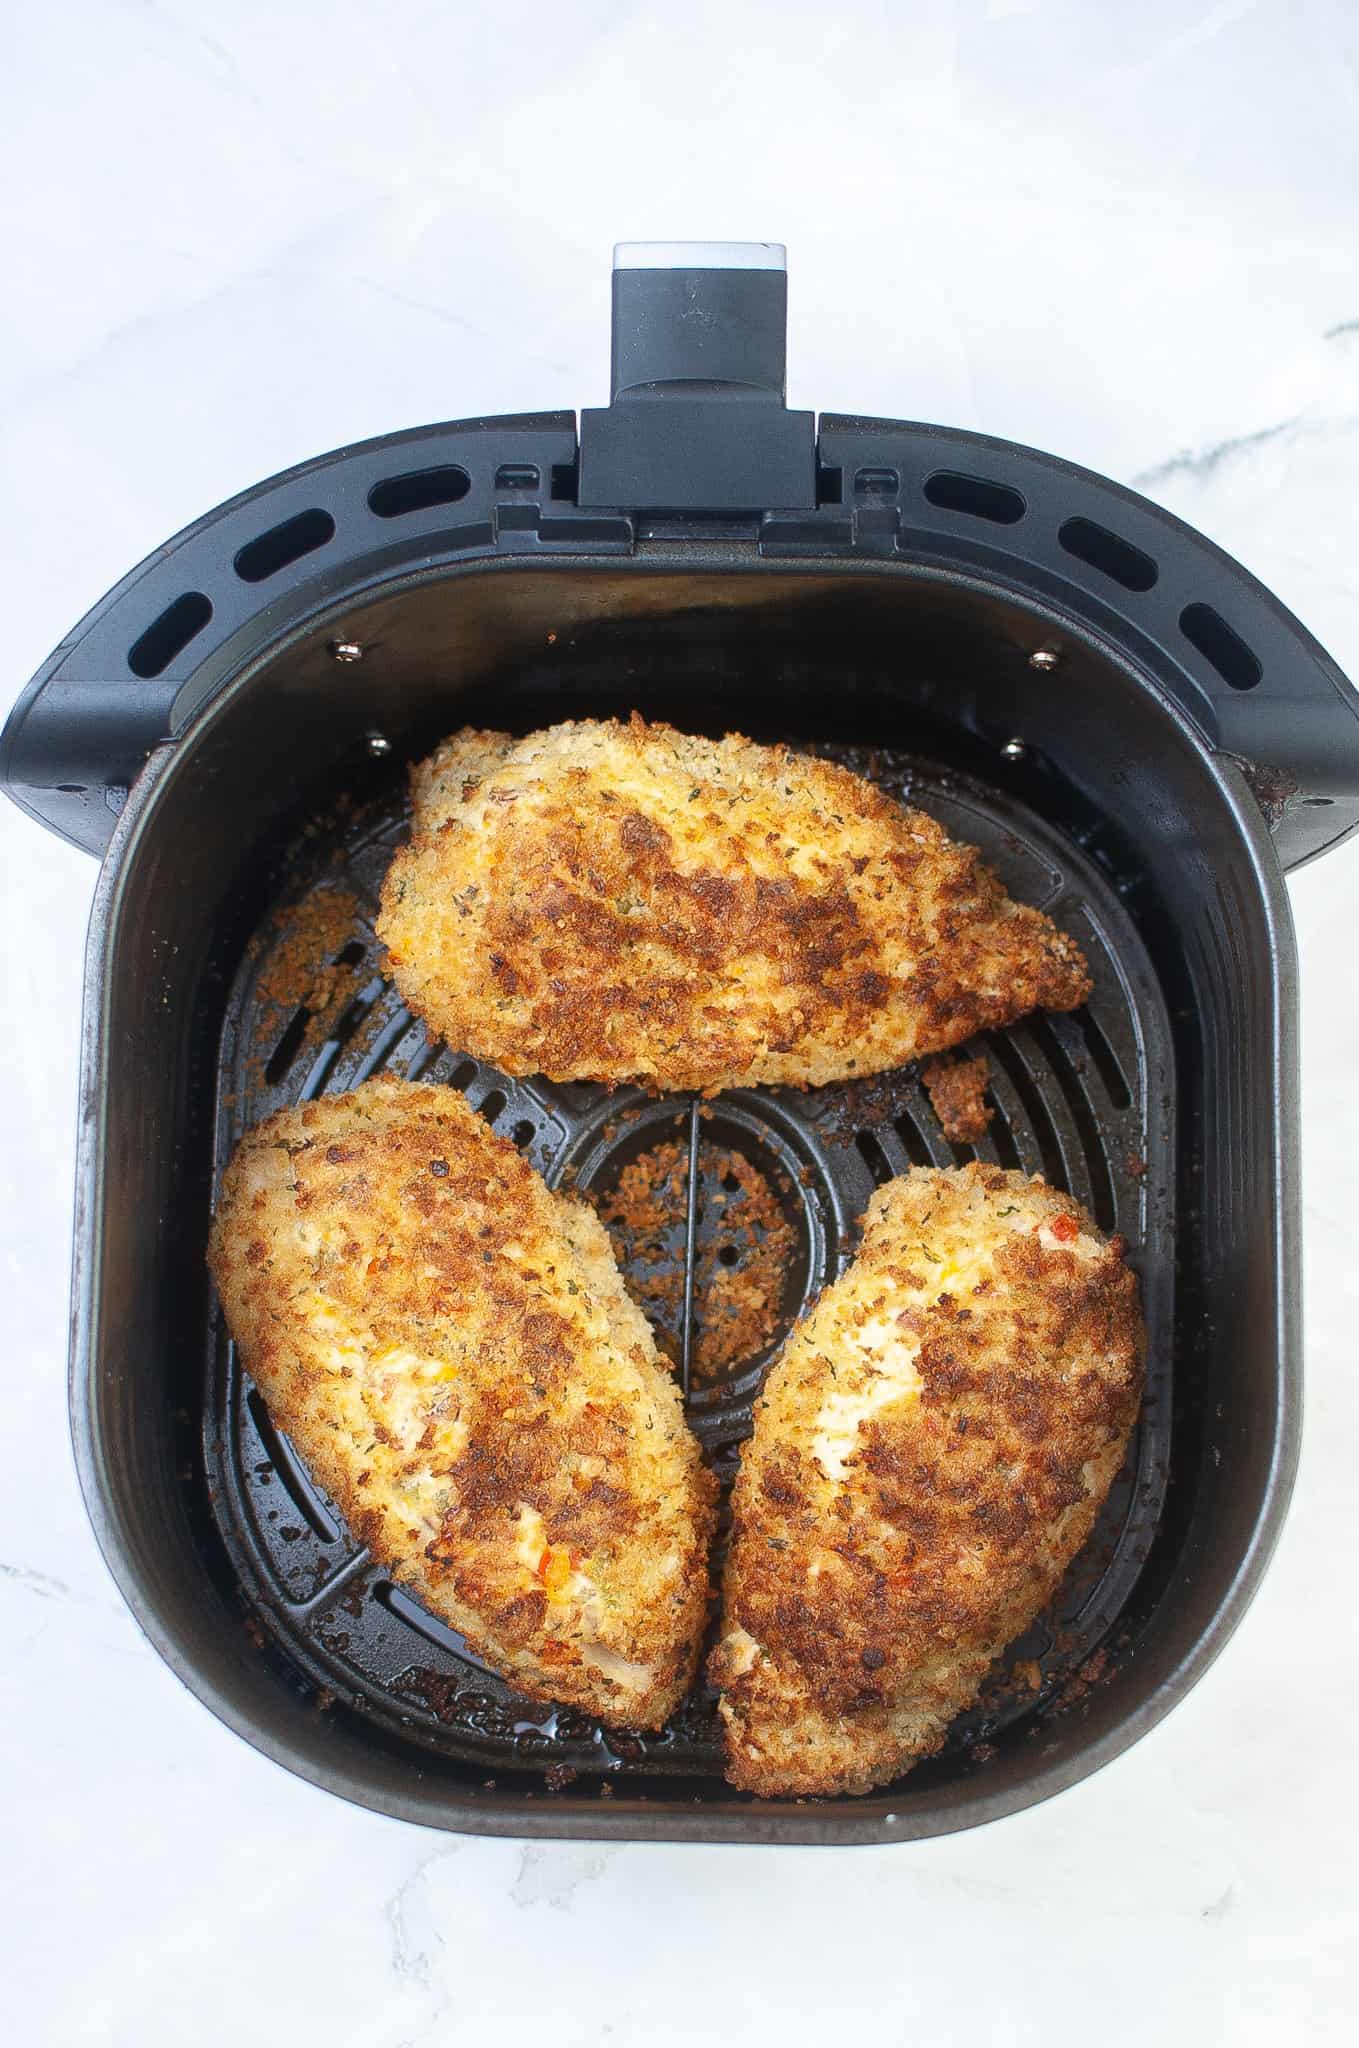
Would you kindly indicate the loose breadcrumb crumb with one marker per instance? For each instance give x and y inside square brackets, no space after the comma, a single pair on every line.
[957,1092]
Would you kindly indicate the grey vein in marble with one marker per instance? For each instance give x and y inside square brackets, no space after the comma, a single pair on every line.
[1201,462]
[417,1944]
[551,1875]
[40,1583]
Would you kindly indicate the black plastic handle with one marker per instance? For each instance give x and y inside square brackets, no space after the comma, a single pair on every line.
[698,422]
[685,323]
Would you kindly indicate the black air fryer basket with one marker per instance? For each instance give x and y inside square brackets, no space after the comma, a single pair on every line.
[1138,736]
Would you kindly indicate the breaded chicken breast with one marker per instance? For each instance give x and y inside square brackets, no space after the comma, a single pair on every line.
[450,1349]
[625,902]
[930,1451]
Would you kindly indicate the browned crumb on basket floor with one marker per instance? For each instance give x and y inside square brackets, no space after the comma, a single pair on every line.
[644,1214]
[844,1109]
[1092,1672]
[957,1092]
[745,1243]
[301,970]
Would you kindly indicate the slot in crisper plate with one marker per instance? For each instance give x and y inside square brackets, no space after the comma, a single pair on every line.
[1086,1100]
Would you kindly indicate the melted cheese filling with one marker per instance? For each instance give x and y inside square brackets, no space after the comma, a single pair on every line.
[531,1544]
[885,1371]
[844,1412]
[742,1650]
[403,1389]
[1083,1245]
[576,1590]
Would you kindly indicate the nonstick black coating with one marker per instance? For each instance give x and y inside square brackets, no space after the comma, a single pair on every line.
[1088,791]
[1085,1100]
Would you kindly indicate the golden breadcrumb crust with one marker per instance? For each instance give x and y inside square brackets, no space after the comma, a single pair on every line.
[449,1347]
[627,902]
[930,1451]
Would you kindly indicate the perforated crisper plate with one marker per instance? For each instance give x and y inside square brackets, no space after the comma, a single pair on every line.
[1086,1100]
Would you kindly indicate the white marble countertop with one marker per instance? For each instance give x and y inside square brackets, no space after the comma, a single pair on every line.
[237,236]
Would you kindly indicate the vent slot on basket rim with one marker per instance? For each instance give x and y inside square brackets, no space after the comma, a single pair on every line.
[1207,630]
[419,490]
[169,634]
[1108,552]
[977,496]
[288,542]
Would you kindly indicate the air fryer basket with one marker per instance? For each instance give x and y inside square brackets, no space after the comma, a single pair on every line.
[1074,1101]
[907,603]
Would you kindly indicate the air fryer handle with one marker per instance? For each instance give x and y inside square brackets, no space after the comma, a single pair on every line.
[699,316]
[698,423]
